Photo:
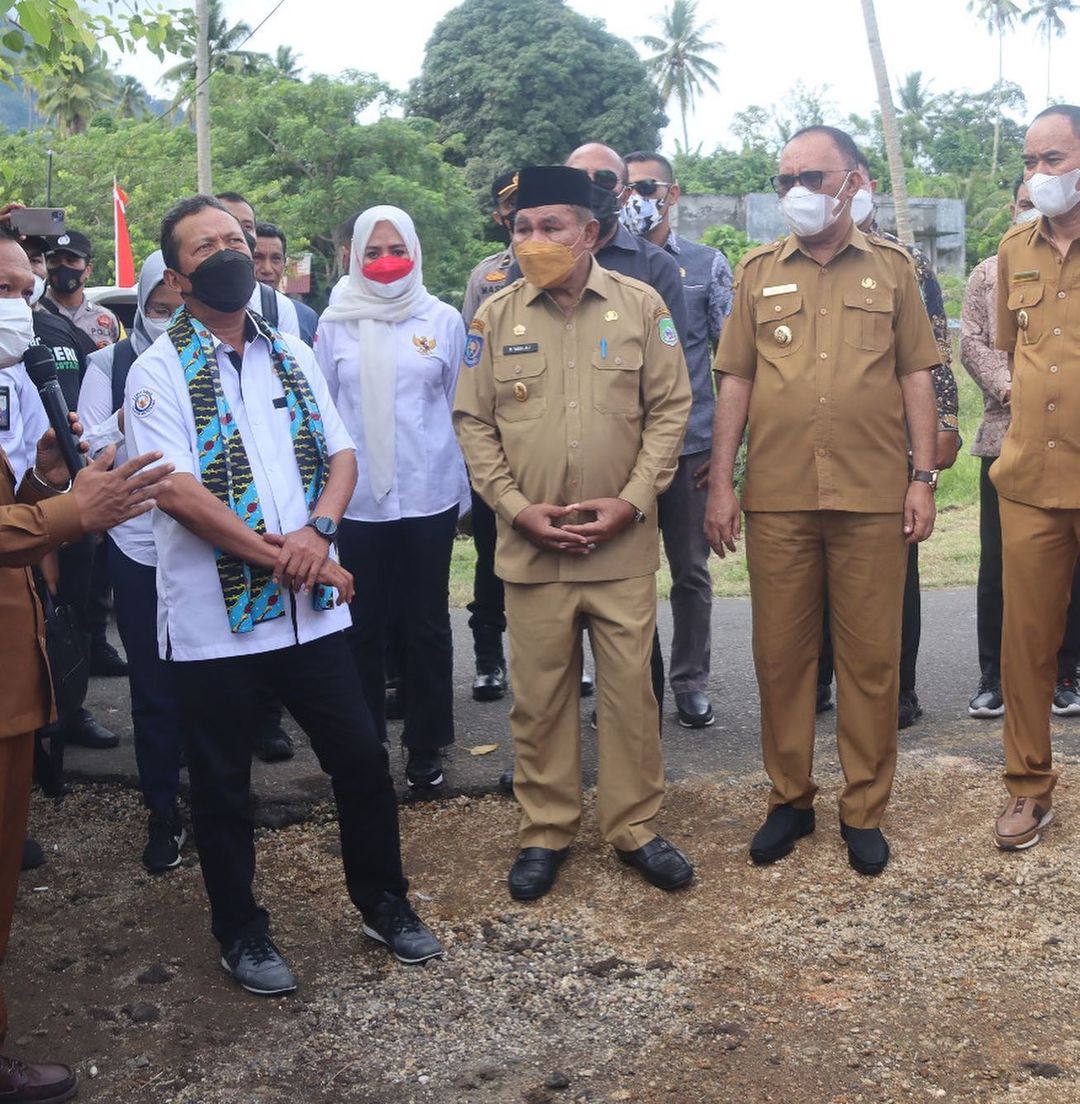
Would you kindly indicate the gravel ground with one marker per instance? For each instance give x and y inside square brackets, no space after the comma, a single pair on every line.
[953,976]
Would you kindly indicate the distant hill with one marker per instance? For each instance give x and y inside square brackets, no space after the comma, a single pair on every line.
[13,109]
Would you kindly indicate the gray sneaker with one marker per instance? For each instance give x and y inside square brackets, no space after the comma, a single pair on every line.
[1066,698]
[258,966]
[394,924]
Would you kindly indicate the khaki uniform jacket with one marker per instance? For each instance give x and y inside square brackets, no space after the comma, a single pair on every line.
[30,526]
[1038,321]
[559,410]
[825,346]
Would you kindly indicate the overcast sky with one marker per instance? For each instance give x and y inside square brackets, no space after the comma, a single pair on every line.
[817,43]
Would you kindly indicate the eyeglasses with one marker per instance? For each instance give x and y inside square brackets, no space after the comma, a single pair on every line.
[811,178]
[605,179]
[648,187]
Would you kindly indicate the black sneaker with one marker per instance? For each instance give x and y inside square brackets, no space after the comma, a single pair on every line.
[274,745]
[423,768]
[824,697]
[257,965]
[32,855]
[1066,698]
[165,836]
[394,924]
[909,710]
[987,700]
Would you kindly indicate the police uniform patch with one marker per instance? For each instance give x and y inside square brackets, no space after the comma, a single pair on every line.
[496,277]
[474,346]
[142,402]
[666,329]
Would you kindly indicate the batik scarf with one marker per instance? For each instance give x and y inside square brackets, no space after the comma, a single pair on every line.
[250,593]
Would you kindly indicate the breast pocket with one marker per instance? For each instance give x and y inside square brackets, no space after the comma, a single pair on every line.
[868,320]
[1025,302]
[781,326]
[616,380]
[520,387]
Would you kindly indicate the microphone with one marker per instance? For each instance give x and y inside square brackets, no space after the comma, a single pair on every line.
[41,368]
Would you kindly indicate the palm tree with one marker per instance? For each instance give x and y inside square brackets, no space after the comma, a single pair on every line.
[131,98]
[999,17]
[285,64]
[888,123]
[224,43]
[1050,25]
[916,102]
[73,89]
[679,65]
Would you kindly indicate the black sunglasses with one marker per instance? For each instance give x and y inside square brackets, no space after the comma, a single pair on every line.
[606,179]
[648,187]
[811,178]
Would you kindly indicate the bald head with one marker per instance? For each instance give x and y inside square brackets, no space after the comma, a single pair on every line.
[595,156]
[16,276]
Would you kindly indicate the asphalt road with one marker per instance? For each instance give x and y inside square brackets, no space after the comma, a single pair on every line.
[948,673]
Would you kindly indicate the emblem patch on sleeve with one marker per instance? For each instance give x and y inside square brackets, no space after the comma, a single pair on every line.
[666,329]
[474,346]
[142,402]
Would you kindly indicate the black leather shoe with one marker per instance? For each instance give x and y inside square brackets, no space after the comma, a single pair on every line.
[36,1082]
[909,710]
[86,732]
[824,697]
[394,924]
[106,661]
[32,858]
[489,685]
[776,837]
[533,872]
[867,849]
[661,863]
[588,685]
[274,745]
[506,780]
[695,710]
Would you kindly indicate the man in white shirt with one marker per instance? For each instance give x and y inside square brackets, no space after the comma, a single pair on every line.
[264,470]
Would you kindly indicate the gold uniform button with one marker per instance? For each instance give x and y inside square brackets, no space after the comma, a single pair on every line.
[1051,444]
[824,356]
[1061,295]
[521,392]
[1054,368]
[1051,407]
[1022,319]
[1057,331]
[782,335]
[778,308]
[823,400]
[823,311]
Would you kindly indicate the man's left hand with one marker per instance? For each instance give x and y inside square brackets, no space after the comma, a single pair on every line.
[301,558]
[613,515]
[919,512]
[948,445]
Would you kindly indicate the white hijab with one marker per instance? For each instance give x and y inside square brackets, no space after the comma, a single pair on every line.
[370,310]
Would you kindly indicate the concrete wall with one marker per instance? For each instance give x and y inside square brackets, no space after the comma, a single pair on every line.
[938,224]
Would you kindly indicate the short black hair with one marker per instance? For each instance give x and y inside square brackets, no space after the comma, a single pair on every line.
[269,230]
[184,209]
[235,197]
[638,157]
[843,141]
[1070,111]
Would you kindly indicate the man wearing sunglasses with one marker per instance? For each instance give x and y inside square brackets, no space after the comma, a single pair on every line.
[827,359]
[706,280]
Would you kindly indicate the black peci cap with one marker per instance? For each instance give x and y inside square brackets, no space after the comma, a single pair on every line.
[544,185]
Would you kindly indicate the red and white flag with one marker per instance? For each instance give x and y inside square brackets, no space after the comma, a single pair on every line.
[125,263]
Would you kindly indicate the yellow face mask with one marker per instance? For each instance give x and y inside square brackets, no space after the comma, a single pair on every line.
[546,264]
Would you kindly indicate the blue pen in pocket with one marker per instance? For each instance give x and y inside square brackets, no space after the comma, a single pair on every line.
[603,348]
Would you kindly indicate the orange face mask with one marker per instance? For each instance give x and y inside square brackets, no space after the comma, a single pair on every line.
[546,264]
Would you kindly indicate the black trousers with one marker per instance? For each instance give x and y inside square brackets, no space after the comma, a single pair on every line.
[99,605]
[910,631]
[221,698]
[487,610]
[988,597]
[420,549]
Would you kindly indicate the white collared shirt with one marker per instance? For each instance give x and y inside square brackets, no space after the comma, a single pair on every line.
[288,320]
[22,419]
[192,620]
[430,472]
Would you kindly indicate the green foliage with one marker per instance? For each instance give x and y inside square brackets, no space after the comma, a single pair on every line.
[724,172]
[731,242]
[526,81]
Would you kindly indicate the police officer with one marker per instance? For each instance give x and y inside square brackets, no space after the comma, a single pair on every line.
[571,409]
[826,355]
[1037,475]
[70,265]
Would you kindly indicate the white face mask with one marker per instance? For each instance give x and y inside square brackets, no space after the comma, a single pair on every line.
[1030,215]
[154,327]
[1054,195]
[862,206]
[39,290]
[16,330]
[807,213]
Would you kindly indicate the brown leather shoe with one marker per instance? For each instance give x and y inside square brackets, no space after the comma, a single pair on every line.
[36,1083]
[1021,823]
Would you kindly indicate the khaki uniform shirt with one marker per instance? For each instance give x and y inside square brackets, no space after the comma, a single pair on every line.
[97,322]
[825,345]
[557,410]
[1038,321]
[489,276]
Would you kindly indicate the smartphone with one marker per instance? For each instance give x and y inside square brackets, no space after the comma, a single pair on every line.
[45,222]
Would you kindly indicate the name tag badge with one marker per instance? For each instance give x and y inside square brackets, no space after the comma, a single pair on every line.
[519,350]
[1026,277]
[5,409]
[778,289]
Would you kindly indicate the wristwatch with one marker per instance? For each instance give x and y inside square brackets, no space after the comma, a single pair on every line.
[324,526]
[929,477]
[639,516]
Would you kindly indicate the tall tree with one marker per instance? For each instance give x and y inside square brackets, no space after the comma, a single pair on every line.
[888,123]
[916,101]
[284,65]
[225,43]
[1050,24]
[679,65]
[523,82]
[999,17]
[130,98]
[72,90]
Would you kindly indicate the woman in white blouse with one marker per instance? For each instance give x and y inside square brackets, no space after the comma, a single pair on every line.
[390,352]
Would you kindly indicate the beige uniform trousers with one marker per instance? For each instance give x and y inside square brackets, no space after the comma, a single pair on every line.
[1039,549]
[544,621]
[861,560]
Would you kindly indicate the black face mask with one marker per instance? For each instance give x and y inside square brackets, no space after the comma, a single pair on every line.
[224,281]
[66,279]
